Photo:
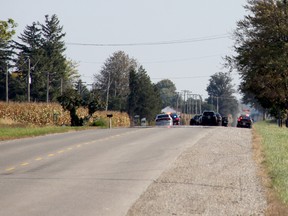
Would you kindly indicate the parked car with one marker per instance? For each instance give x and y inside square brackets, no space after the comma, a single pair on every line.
[163,120]
[176,118]
[245,121]
[218,119]
[209,118]
[196,120]
[225,121]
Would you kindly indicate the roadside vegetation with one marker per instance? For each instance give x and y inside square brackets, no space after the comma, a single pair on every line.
[16,132]
[274,147]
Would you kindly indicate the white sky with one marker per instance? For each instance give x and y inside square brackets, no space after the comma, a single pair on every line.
[188,65]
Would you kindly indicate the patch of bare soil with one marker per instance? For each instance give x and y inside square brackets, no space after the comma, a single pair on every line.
[275,206]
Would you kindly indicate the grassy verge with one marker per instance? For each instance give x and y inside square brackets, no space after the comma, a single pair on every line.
[274,147]
[16,132]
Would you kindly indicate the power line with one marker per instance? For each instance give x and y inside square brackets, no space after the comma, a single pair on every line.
[182,41]
[188,77]
[161,61]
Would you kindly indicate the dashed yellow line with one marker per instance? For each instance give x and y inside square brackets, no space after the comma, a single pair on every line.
[67,149]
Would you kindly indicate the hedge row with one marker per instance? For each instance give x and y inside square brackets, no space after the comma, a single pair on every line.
[45,114]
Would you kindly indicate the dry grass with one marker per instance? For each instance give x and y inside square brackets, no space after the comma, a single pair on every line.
[275,205]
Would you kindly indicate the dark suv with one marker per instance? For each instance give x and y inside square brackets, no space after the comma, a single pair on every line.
[209,118]
[245,121]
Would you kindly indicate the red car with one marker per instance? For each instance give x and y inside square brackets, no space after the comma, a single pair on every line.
[176,118]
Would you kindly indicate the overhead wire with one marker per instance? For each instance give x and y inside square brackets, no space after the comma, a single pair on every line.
[181,41]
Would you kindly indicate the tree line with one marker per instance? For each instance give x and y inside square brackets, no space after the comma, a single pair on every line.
[36,69]
[261,47]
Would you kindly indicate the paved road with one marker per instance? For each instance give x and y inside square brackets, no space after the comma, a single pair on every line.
[93,172]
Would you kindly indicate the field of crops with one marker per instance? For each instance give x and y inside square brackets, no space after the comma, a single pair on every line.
[43,114]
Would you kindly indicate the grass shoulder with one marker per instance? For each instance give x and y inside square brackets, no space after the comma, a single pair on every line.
[271,152]
[16,132]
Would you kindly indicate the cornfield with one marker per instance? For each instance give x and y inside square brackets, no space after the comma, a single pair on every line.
[48,114]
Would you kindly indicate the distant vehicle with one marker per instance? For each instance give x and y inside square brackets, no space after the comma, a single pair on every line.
[245,121]
[209,118]
[218,119]
[196,120]
[163,120]
[176,118]
[225,121]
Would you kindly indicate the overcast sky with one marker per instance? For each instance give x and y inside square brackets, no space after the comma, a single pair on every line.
[204,27]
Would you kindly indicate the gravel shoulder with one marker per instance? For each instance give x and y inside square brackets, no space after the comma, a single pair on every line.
[216,176]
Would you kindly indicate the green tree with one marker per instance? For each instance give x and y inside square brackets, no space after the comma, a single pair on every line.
[261,46]
[113,80]
[42,45]
[30,56]
[71,100]
[144,98]
[167,93]
[7,30]
[220,91]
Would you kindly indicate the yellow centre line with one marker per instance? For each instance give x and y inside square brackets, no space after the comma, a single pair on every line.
[38,159]
[51,155]
[24,164]
[61,151]
[10,169]
[69,148]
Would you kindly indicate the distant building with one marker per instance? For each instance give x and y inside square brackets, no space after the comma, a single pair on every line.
[168,109]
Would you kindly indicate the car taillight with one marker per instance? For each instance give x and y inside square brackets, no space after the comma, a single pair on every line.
[177,119]
[240,118]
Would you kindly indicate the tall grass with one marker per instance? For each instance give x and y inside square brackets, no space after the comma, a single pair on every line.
[275,149]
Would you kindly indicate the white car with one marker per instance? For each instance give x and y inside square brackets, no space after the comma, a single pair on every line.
[163,120]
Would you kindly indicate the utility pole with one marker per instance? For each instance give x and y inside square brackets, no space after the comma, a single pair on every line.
[7,87]
[47,92]
[108,89]
[61,86]
[217,104]
[28,81]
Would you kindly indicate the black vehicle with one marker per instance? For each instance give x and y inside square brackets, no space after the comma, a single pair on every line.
[218,119]
[209,118]
[196,120]
[245,121]
[176,118]
[225,121]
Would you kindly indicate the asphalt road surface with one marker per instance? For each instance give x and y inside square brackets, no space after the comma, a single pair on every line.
[92,172]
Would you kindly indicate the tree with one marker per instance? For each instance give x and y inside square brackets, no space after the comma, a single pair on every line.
[7,30]
[220,91]
[113,80]
[30,56]
[167,92]
[71,100]
[261,44]
[144,98]
[43,46]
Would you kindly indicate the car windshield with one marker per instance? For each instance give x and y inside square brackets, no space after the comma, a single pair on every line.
[208,113]
[163,116]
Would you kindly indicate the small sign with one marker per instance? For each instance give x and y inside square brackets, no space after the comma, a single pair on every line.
[109,115]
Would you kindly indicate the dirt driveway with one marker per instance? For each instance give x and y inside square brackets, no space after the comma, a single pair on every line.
[217,176]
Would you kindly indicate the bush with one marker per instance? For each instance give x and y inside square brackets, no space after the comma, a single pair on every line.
[100,123]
